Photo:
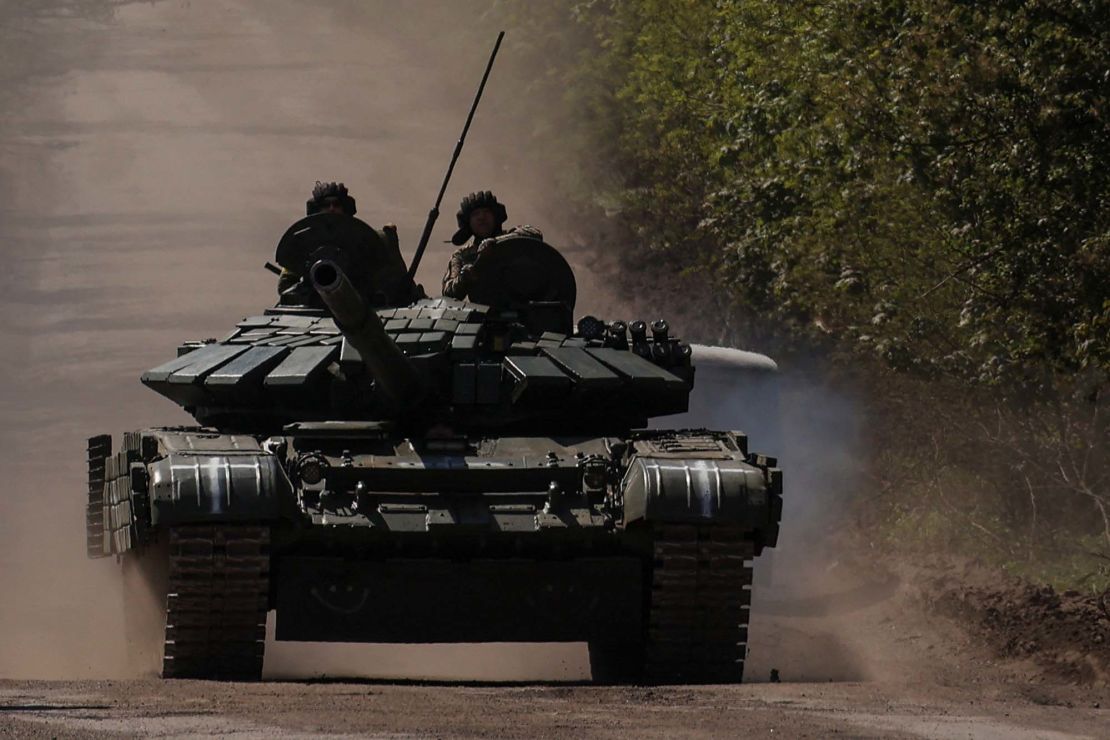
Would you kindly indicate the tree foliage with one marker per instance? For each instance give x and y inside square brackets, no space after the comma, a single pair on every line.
[924,182]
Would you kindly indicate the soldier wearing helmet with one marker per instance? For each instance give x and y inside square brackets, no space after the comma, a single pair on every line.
[481,220]
[332,197]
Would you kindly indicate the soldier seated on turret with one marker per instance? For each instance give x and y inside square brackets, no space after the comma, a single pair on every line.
[481,220]
[332,197]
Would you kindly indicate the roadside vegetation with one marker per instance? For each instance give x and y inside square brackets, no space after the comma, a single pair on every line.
[918,193]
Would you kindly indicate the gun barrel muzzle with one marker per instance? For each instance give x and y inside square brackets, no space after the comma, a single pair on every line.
[363,330]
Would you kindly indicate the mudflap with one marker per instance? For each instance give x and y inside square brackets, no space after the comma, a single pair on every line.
[421,600]
[745,493]
[218,486]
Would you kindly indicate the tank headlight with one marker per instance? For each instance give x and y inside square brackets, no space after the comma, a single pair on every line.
[312,468]
[594,478]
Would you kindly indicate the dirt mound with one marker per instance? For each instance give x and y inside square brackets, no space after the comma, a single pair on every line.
[1067,635]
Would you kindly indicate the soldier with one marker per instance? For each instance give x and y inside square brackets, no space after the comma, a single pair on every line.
[481,220]
[332,197]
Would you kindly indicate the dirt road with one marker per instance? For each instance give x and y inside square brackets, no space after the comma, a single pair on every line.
[192,709]
[150,155]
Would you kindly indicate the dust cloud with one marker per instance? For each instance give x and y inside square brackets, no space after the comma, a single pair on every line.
[816,614]
[151,153]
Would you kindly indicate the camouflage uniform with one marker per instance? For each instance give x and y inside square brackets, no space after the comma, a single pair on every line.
[457,281]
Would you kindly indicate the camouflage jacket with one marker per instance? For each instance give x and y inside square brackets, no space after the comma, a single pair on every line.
[456,283]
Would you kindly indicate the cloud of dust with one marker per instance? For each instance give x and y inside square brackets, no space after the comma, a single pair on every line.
[823,609]
[805,620]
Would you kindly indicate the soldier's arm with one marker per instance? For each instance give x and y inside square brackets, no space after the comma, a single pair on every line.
[454,282]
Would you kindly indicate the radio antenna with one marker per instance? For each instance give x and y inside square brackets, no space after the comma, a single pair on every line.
[434,213]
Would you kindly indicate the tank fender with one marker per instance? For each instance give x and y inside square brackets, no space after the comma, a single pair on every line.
[703,491]
[188,487]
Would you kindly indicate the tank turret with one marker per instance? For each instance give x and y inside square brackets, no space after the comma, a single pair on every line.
[364,330]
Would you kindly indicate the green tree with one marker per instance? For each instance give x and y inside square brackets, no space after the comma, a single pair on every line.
[925,182]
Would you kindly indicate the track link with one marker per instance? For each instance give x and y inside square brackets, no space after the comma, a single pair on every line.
[700,599]
[217,602]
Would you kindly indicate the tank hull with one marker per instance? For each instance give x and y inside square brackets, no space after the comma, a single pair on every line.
[638,544]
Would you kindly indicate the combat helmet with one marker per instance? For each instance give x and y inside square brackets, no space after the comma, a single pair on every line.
[471,203]
[324,191]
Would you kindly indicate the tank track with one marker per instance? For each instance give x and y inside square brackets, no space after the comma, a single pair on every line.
[700,601]
[217,602]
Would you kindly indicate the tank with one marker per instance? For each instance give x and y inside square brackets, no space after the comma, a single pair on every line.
[380,467]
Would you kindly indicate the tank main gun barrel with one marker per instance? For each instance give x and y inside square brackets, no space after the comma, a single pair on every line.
[360,324]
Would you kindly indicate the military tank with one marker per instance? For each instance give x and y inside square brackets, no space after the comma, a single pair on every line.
[380,469]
